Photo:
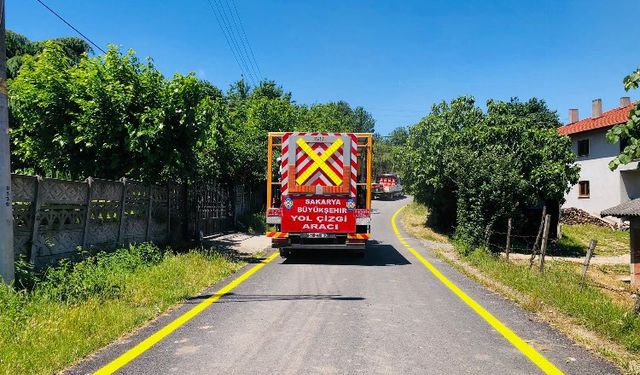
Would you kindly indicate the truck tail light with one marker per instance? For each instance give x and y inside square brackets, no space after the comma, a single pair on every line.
[358,236]
[362,212]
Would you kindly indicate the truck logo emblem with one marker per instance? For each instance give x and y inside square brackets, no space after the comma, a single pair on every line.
[288,203]
[350,204]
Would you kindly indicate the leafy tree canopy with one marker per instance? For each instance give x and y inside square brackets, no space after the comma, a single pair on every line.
[628,132]
[473,168]
[113,115]
[19,46]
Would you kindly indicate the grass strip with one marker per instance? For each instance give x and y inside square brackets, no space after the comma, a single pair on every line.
[575,240]
[74,309]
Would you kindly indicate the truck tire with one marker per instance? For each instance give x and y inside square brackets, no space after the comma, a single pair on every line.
[284,253]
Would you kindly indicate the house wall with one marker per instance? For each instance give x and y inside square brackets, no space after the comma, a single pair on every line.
[606,187]
[630,186]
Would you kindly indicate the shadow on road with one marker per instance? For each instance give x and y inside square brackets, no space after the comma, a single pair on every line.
[376,254]
[233,297]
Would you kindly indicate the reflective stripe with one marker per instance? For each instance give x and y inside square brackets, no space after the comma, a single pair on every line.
[277,234]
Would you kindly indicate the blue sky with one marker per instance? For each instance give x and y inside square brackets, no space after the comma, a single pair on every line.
[395,58]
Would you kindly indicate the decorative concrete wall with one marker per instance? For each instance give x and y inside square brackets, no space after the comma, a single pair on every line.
[54,218]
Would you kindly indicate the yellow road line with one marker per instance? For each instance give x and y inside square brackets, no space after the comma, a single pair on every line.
[538,359]
[134,352]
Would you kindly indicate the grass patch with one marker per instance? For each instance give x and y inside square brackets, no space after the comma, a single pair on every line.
[74,309]
[414,221]
[575,240]
[613,269]
[558,287]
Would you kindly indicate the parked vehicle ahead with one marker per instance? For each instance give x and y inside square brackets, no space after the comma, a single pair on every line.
[387,186]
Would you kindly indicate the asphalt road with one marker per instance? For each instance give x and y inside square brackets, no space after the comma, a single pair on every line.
[327,313]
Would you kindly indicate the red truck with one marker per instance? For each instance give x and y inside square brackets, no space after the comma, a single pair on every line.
[319,191]
[387,186]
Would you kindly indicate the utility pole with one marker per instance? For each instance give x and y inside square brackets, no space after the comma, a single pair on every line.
[7,261]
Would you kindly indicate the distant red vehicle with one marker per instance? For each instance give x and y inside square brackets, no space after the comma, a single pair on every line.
[387,186]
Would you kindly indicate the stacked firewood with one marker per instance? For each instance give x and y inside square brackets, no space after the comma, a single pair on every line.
[576,216]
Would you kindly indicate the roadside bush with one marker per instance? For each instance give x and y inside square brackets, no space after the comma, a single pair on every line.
[73,309]
[101,276]
[474,169]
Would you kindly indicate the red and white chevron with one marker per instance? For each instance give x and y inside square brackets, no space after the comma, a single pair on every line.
[303,161]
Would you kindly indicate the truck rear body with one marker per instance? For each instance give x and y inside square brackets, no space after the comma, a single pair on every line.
[319,190]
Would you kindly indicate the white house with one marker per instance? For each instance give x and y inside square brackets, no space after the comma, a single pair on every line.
[598,187]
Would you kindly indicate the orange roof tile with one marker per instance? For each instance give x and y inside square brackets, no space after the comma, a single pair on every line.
[610,118]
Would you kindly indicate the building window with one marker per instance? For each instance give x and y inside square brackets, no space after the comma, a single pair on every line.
[583,189]
[583,147]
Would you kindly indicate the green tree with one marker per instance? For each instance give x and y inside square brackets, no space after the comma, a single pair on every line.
[387,151]
[19,46]
[118,101]
[265,109]
[473,169]
[41,104]
[425,165]
[629,132]
[399,136]
[337,117]
[363,121]
[113,115]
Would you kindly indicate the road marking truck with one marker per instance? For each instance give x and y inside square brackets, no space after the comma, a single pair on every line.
[387,186]
[319,191]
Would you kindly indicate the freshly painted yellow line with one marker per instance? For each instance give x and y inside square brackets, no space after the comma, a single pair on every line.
[529,352]
[132,353]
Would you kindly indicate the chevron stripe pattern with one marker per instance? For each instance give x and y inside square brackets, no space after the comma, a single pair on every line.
[319,163]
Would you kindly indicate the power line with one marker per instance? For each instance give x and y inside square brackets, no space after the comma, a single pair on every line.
[234,27]
[71,26]
[226,37]
[246,40]
[231,30]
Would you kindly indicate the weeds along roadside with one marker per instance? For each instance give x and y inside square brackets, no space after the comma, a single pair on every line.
[53,319]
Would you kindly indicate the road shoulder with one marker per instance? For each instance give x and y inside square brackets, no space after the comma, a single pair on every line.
[129,341]
[566,330]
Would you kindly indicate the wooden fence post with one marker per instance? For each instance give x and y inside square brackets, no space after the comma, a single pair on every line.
[149,207]
[36,220]
[587,260]
[545,241]
[507,249]
[87,212]
[123,199]
[534,250]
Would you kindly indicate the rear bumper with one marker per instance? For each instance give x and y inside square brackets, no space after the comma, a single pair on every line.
[346,246]
[356,241]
